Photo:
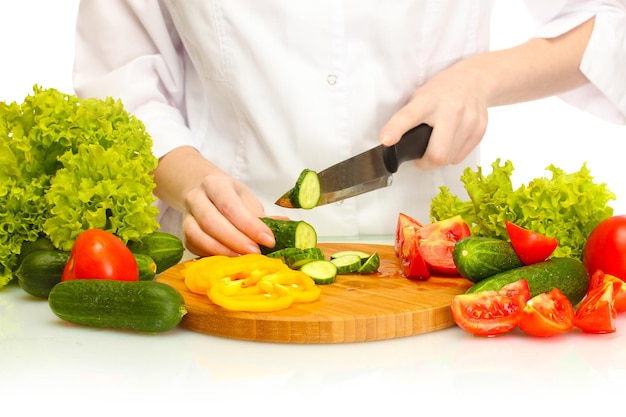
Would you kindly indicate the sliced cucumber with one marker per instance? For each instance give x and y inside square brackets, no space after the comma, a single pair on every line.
[347,264]
[322,272]
[371,265]
[283,253]
[302,256]
[362,255]
[306,193]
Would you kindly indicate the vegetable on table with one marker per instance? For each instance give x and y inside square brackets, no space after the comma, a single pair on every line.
[491,313]
[547,314]
[598,279]
[250,282]
[41,270]
[98,254]
[165,249]
[566,206]
[144,306]
[596,312]
[605,248]
[68,165]
[530,246]
[479,257]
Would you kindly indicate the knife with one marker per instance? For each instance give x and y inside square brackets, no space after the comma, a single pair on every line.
[369,170]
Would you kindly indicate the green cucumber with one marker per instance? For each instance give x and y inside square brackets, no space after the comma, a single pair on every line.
[363,255]
[144,306]
[567,274]
[347,264]
[283,253]
[41,270]
[28,247]
[290,234]
[307,191]
[477,257]
[322,272]
[301,256]
[164,248]
[146,265]
[370,265]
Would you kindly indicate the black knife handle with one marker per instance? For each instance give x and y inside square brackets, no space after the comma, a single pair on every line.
[412,145]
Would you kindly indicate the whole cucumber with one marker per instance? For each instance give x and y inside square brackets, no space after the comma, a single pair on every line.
[567,274]
[144,306]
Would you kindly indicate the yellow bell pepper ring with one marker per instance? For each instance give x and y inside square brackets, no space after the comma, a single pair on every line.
[251,282]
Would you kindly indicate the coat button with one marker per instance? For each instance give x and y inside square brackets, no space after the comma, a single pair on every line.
[331,79]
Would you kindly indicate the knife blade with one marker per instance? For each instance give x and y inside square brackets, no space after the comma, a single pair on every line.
[369,170]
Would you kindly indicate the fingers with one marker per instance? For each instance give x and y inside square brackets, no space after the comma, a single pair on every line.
[222,217]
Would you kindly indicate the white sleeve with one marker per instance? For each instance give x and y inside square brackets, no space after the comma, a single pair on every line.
[128,50]
[604,60]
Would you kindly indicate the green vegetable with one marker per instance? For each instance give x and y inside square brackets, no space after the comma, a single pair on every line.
[322,272]
[70,164]
[301,256]
[567,274]
[146,266]
[347,264]
[40,271]
[565,206]
[290,234]
[145,306]
[164,248]
[478,257]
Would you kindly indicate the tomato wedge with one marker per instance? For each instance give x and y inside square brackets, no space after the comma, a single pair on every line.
[491,313]
[596,312]
[547,314]
[412,264]
[599,277]
[404,220]
[530,246]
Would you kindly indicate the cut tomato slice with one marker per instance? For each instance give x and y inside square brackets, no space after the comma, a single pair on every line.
[547,314]
[438,255]
[404,220]
[491,313]
[412,262]
[530,246]
[596,312]
[599,277]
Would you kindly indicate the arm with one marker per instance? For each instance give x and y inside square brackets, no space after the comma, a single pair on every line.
[455,101]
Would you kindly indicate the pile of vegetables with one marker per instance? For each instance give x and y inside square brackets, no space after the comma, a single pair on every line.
[566,207]
[67,165]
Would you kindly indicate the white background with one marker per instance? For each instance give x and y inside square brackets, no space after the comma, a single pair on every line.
[37,48]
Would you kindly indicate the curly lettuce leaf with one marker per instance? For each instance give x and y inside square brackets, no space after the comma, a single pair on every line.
[565,206]
[68,164]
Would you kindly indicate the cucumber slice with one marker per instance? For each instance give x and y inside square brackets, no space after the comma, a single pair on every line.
[347,264]
[364,256]
[322,272]
[283,253]
[371,265]
[302,256]
[306,193]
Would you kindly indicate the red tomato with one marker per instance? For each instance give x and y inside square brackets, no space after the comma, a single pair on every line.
[596,312]
[98,254]
[599,277]
[547,314]
[404,220]
[491,313]
[412,262]
[437,241]
[530,246]
[605,248]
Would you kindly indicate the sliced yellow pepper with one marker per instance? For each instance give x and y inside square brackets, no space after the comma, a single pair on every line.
[249,282]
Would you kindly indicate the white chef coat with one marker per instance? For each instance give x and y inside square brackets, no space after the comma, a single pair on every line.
[267,88]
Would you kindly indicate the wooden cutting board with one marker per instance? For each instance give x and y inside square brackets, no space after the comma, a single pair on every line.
[355,308]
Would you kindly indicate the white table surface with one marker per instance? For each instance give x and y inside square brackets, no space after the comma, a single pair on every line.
[48,365]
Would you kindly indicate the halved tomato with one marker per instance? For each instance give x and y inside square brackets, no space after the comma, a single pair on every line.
[491,313]
[547,314]
[599,277]
[437,241]
[412,262]
[530,246]
[596,312]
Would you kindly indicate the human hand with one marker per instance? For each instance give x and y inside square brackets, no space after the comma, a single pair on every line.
[454,103]
[221,217]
